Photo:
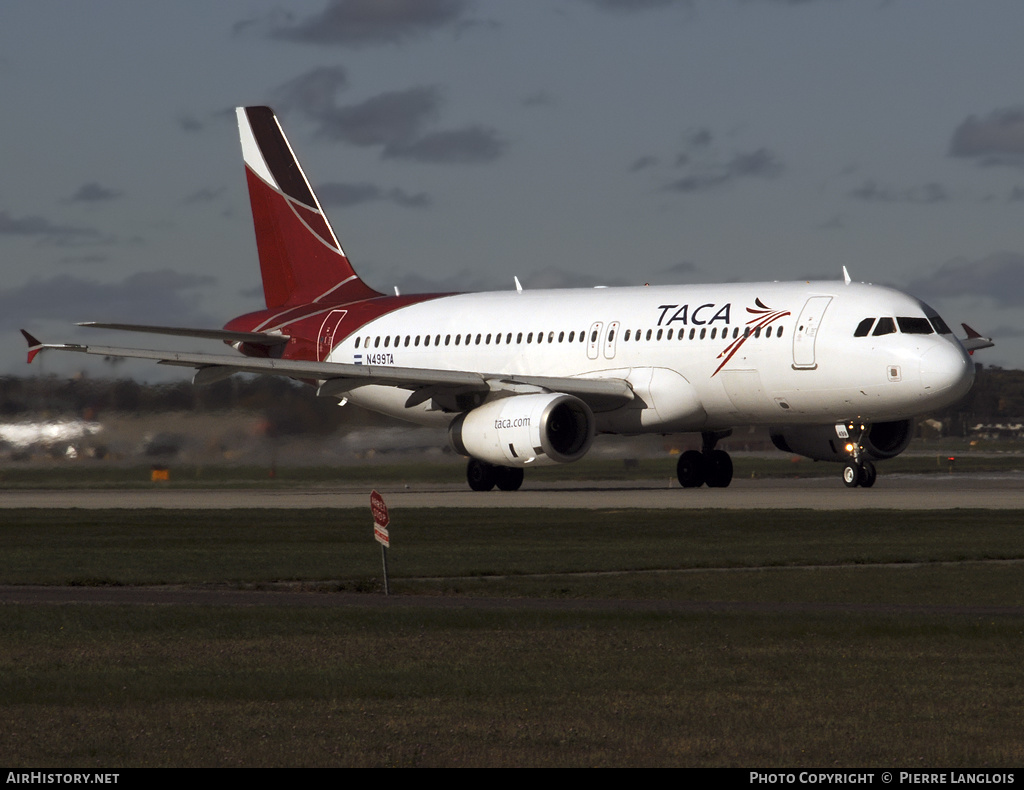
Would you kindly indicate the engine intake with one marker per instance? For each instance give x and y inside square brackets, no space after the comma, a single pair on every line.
[881,440]
[521,430]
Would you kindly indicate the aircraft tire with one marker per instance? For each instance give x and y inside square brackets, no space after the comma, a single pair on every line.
[691,469]
[719,469]
[481,475]
[868,474]
[851,475]
[509,478]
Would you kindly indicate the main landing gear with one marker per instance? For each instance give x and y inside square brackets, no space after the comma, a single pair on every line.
[709,465]
[483,476]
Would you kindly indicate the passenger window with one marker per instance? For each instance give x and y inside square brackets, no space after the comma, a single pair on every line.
[863,327]
[885,326]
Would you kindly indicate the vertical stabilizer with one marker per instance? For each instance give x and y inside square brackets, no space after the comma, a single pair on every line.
[300,257]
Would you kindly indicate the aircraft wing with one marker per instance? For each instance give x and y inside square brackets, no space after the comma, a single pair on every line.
[444,386]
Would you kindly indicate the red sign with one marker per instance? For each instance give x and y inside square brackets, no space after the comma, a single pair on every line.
[380,519]
[379,509]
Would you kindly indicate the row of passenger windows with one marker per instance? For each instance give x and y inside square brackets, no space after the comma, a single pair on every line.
[907,325]
[540,337]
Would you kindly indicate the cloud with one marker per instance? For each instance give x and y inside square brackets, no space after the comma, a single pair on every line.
[397,121]
[341,194]
[370,22]
[203,195]
[999,276]
[313,92]
[705,174]
[387,119]
[642,163]
[189,123]
[626,6]
[925,195]
[470,145]
[93,193]
[997,139]
[162,296]
[44,230]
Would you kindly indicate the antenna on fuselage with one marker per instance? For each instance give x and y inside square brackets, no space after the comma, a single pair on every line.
[846,276]
[519,287]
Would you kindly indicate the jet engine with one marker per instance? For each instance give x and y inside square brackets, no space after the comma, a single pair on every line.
[521,430]
[880,440]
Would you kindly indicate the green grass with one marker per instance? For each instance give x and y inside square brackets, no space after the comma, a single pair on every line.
[109,687]
[853,639]
[530,552]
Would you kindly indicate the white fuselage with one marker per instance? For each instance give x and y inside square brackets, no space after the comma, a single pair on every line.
[698,357]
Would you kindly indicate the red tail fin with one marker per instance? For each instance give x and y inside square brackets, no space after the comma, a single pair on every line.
[300,257]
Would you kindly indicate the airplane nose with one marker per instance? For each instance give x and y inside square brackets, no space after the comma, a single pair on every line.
[948,370]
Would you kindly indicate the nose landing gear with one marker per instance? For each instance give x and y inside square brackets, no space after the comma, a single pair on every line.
[859,471]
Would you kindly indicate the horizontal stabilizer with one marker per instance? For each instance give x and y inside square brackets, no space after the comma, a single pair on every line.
[974,340]
[255,338]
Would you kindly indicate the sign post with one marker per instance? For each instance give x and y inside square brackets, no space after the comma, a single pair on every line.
[381,519]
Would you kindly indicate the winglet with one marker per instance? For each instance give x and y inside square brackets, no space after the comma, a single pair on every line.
[34,346]
[975,340]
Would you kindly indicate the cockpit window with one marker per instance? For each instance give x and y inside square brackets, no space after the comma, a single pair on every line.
[885,326]
[914,326]
[863,327]
[937,322]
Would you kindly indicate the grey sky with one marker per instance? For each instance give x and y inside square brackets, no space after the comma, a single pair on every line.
[459,142]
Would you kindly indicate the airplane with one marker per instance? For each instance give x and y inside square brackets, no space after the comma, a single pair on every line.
[836,370]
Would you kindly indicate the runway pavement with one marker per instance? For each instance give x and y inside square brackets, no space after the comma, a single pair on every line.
[1003,491]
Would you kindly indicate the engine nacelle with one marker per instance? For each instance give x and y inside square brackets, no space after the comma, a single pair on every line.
[881,440]
[525,430]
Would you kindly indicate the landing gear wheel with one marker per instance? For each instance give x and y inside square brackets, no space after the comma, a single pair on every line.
[868,473]
[691,469]
[509,478]
[851,475]
[719,469]
[481,475]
